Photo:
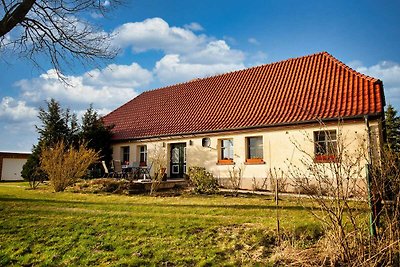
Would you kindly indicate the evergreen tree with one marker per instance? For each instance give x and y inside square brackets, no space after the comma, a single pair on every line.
[392,123]
[96,134]
[56,125]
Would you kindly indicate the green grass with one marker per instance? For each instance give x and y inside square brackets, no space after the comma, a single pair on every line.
[42,228]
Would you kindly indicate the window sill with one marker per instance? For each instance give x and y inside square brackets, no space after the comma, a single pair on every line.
[325,158]
[254,161]
[225,162]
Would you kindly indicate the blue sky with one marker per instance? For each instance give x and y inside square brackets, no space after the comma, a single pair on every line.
[163,42]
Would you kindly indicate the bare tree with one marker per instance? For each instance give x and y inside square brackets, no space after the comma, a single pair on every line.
[57,29]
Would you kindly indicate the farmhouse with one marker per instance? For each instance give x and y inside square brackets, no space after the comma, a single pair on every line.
[254,119]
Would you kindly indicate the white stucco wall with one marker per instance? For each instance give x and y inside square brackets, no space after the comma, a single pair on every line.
[11,170]
[281,148]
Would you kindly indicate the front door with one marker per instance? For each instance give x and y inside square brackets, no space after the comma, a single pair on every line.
[178,160]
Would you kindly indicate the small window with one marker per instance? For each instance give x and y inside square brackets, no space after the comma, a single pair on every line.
[325,146]
[254,149]
[143,155]
[206,142]
[125,155]
[226,151]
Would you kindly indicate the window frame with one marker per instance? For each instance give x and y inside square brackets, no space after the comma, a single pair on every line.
[142,149]
[325,146]
[125,155]
[222,150]
[250,159]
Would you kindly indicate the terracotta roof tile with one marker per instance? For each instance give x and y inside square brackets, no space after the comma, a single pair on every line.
[295,90]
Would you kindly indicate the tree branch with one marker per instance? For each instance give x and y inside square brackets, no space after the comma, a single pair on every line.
[14,16]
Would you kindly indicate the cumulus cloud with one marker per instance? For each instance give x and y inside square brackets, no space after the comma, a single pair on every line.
[156,34]
[107,88]
[216,52]
[187,55]
[170,69]
[389,73]
[16,110]
[17,124]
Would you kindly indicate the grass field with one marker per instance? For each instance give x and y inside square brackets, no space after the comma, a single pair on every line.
[39,227]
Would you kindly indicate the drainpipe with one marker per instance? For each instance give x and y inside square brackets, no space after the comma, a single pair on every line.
[371,202]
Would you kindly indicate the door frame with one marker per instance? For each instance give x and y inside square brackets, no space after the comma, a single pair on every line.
[181,165]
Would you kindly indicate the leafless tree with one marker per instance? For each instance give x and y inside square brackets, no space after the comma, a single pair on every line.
[58,29]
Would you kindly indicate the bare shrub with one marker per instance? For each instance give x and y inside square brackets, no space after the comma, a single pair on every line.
[385,201]
[64,165]
[235,178]
[278,180]
[158,156]
[259,184]
[203,182]
[332,185]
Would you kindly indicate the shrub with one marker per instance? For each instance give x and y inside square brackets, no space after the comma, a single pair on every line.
[203,182]
[64,165]
[235,178]
[31,171]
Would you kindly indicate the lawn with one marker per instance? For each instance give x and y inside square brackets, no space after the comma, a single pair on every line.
[39,227]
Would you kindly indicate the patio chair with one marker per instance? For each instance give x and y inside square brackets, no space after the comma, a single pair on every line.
[117,169]
[136,170]
[107,173]
[146,171]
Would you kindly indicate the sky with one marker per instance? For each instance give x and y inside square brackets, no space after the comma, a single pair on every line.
[163,42]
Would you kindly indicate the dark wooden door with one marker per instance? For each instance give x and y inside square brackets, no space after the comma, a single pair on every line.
[178,160]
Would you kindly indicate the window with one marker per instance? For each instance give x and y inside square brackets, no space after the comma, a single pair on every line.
[226,151]
[125,155]
[254,149]
[143,155]
[325,146]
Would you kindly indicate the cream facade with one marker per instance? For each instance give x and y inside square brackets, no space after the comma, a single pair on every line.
[283,149]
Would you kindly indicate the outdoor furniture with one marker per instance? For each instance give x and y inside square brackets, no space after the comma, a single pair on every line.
[141,172]
[127,171]
[107,173]
[118,173]
[146,171]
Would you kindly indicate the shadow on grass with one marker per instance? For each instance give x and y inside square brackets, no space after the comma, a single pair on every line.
[161,205]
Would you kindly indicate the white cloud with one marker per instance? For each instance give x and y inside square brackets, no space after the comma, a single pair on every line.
[389,73]
[194,26]
[16,110]
[186,54]
[156,34]
[106,88]
[216,52]
[170,69]
[253,41]
[17,127]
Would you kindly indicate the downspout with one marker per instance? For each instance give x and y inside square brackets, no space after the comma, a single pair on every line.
[371,202]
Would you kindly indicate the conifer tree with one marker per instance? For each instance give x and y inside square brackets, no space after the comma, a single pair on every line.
[392,123]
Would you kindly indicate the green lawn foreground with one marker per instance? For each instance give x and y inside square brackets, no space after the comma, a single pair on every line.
[42,228]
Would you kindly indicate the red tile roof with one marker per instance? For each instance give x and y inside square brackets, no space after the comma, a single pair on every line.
[296,90]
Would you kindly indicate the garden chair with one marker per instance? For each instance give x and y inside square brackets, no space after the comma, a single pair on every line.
[117,169]
[136,170]
[107,173]
[146,171]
